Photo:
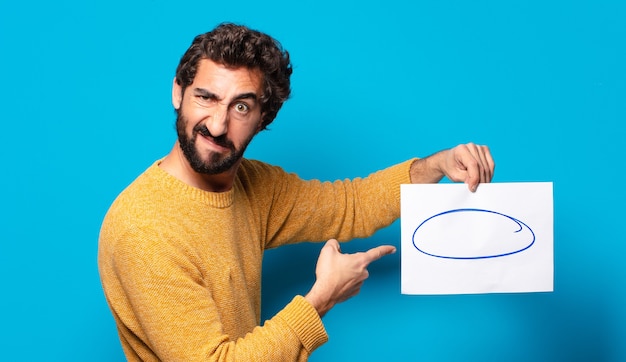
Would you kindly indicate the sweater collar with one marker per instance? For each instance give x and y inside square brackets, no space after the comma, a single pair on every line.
[172,184]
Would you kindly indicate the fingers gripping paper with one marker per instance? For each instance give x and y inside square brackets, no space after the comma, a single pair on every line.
[496,240]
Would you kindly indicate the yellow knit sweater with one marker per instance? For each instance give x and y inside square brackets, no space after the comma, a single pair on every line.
[181,267]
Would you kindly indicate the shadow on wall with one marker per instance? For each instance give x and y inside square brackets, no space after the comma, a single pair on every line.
[574,323]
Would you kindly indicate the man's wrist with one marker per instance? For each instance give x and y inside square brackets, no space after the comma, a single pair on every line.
[318,303]
[426,170]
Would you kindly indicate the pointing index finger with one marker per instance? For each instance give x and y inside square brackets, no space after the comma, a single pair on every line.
[378,252]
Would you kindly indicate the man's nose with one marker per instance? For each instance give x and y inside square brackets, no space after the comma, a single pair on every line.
[217,123]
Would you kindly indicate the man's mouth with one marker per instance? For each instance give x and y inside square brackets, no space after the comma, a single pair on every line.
[220,141]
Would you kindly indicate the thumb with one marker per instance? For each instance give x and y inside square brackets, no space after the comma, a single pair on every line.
[333,244]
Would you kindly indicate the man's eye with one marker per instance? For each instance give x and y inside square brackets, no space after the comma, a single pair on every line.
[242,107]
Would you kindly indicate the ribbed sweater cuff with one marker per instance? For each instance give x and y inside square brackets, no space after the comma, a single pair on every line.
[305,322]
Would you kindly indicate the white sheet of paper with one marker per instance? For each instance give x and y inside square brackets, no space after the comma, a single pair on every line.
[496,240]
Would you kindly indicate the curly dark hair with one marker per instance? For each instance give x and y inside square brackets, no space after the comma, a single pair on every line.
[238,46]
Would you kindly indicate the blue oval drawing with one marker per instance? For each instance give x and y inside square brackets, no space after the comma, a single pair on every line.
[518,245]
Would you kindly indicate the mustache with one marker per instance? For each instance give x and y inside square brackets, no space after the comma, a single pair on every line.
[221,140]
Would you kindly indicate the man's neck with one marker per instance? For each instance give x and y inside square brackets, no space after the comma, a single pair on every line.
[176,164]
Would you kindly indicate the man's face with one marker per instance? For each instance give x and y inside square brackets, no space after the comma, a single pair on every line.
[218,115]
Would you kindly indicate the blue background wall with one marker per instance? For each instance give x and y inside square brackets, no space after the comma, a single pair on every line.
[85,102]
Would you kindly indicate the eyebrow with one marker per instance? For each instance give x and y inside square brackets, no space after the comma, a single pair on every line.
[206,93]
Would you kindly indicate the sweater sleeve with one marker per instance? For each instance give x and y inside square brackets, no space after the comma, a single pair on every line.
[344,209]
[164,312]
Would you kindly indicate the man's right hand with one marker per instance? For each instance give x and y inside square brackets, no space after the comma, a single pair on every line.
[340,276]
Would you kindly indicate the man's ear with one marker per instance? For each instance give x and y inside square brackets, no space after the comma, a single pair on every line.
[177,94]
[259,127]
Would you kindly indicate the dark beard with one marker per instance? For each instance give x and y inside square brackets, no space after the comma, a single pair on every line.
[217,163]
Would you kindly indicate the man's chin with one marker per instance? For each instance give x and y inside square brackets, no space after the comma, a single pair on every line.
[214,166]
